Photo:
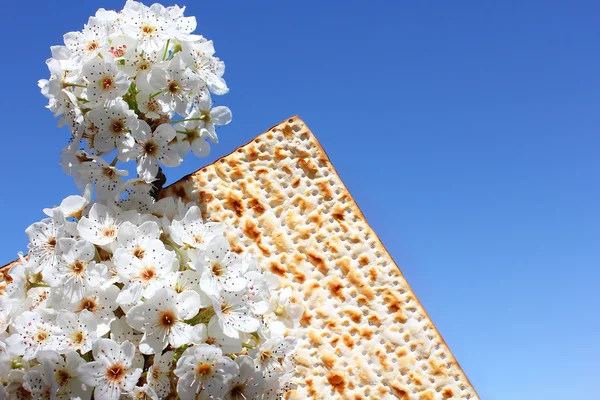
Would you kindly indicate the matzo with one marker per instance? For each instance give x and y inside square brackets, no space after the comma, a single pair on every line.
[364,334]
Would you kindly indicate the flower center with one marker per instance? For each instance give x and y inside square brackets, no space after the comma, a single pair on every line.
[147,273]
[139,252]
[78,267]
[150,148]
[152,105]
[78,337]
[225,308]
[178,288]
[118,52]
[205,116]
[204,369]
[117,127]
[265,355]
[109,231]
[62,377]
[41,336]
[82,158]
[52,241]
[174,87]
[280,310]
[198,239]
[115,373]
[87,304]
[217,269]
[92,46]
[167,318]
[191,135]
[108,172]
[148,29]
[155,373]
[107,82]
[238,391]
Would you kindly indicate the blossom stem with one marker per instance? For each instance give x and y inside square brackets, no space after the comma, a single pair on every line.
[181,258]
[153,95]
[203,317]
[114,162]
[247,346]
[34,285]
[166,49]
[97,254]
[75,84]
[188,119]
[176,50]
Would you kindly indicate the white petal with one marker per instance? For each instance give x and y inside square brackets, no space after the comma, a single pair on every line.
[165,133]
[147,168]
[220,115]
[154,341]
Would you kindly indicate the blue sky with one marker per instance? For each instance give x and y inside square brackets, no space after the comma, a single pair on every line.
[467,133]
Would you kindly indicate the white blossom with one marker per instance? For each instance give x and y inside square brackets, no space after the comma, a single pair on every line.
[79,332]
[220,268]
[176,84]
[151,148]
[73,206]
[199,57]
[288,313]
[106,177]
[269,353]
[233,314]
[158,373]
[66,375]
[114,124]
[99,301]
[143,277]
[75,269]
[192,232]
[248,383]
[147,25]
[102,223]
[219,115]
[106,81]
[111,372]
[162,319]
[32,334]
[204,369]
[43,237]
[88,43]
[40,383]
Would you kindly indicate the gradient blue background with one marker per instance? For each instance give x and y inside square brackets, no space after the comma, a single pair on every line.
[467,133]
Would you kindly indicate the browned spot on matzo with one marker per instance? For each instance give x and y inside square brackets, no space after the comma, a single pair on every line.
[337,380]
[318,261]
[277,268]
[256,206]
[335,287]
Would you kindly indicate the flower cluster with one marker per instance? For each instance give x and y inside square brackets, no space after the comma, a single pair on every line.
[118,303]
[119,83]
[122,296]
